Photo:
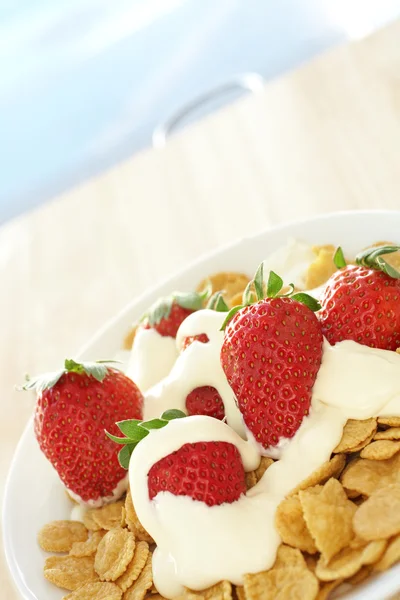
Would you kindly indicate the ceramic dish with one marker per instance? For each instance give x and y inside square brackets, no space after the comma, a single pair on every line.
[34,495]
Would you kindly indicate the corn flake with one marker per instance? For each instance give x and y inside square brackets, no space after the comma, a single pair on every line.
[240,592]
[322,268]
[355,433]
[114,553]
[349,561]
[142,584]
[129,338]
[251,479]
[293,583]
[328,515]
[109,516]
[70,572]
[331,468]
[89,547]
[289,557]
[89,521]
[365,476]
[135,567]
[391,421]
[380,450]
[219,591]
[379,516]
[391,555]
[360,576]
[133,522]
[393,433]
[292,528]
[229,282]
[265,463]
[326,588]
[59,536]
[96,591]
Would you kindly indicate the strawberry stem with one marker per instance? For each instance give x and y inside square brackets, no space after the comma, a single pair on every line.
[339,259]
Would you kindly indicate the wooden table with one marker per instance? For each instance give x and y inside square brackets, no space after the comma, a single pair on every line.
[323,138]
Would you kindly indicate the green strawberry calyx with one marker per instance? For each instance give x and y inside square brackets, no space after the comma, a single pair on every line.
[97,369]
[135,430]
[257,290]
[161,309]
[371,258]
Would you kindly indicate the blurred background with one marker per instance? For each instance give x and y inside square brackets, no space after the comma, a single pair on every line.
[87,83]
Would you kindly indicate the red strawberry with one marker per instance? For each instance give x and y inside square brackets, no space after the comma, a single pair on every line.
[74,407]
[271,355]
[211,472]
[362,305]
[203,400]
[167,314]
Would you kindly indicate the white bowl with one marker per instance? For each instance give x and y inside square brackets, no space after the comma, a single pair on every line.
[33,493]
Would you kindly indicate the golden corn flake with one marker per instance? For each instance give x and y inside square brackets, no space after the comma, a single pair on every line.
[109,516]
[329,517]
[96,591]
[290,524]
[360,576]
[70,572]
[59,536]
[133,522]
[393,433]
[293,583]
[157,596]
[231,283]
[391,421]
[89,521]
[251,480]
[240,592]
[391,555]
[326,588]
[142,584]
[322,268]
[289,557]
[114,553]
[219,591]
[265,463]
[355,433]
[135,567]
[349,561]
[332,468]
[380,450]
[365,476]
[89,547]
[379,516]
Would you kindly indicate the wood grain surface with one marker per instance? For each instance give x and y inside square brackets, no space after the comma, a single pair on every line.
[323,138]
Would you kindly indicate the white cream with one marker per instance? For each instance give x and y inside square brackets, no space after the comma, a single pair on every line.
[291,262]
[345,388]
[78,512]
[363,382]
[197,366]
[152,358]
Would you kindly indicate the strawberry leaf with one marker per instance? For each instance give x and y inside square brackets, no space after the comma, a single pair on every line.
[117,440]
[274,285]
[308,300]
[339,259]
[217,302]
[372,258]
[153,424]
[172,413]
[124,455]
[43,382]
[259,282]
[131,429]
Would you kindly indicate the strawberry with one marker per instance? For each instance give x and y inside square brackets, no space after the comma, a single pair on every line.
[201,337]
[74,406]
[362,303]
[167,314]
[205,400]
[210,472]
[271,355]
